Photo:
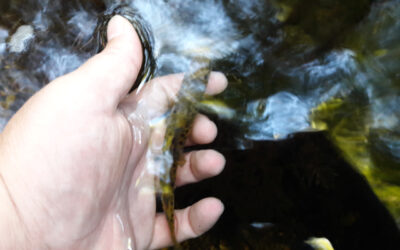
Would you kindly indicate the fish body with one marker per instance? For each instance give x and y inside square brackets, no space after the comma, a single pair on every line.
[179,123]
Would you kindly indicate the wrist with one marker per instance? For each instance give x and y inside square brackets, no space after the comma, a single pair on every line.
[11,230]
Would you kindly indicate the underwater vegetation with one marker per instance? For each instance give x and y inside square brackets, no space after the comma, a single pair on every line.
[309,123]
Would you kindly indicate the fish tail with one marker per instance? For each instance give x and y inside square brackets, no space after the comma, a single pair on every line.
[168,203]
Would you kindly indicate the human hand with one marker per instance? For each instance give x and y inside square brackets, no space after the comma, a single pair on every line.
[73,159]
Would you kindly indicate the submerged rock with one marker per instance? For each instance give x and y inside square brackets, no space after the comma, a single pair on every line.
[21,39]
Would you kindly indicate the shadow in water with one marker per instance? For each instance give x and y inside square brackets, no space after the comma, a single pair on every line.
[280,193]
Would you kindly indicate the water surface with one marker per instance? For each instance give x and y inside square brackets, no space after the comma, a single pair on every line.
[293,66]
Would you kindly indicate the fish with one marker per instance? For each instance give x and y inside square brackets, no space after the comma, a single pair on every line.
[179,124]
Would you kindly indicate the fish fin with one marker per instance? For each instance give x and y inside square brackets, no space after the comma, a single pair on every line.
[181,161]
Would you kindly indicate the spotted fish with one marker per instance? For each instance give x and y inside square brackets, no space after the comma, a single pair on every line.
[179,123]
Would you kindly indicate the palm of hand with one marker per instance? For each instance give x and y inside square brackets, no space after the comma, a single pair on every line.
[83,165]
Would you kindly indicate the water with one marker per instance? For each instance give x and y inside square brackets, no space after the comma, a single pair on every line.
[293,66]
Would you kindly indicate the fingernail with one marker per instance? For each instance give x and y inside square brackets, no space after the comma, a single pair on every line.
[115,27]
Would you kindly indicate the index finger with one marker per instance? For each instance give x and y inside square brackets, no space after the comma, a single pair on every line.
[157,95]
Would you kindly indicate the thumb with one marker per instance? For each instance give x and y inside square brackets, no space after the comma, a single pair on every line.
[112,72]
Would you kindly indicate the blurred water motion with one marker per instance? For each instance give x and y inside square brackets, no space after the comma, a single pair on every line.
[293,65]
[276,117]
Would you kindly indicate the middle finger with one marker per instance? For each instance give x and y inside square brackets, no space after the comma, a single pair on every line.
[200,165]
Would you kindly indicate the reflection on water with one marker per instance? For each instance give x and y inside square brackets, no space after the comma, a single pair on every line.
[293,65]
[276,117]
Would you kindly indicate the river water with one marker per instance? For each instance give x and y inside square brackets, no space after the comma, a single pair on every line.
[293,66]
